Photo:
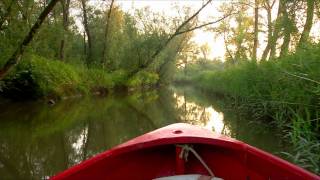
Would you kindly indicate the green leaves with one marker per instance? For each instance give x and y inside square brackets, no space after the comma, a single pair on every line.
[285,91]
[143,79]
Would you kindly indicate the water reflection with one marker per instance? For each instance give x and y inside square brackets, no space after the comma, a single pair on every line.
[214,113]
[215,121]
[37,140]
[195,114]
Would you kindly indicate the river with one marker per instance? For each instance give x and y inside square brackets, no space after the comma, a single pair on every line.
[38,140]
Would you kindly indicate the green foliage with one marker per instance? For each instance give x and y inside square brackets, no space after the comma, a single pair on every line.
[284,91]
[96,78]
[37,77]
[306,154]
[120,77]
[306,145]
[193,70]
[237,31]
[40,77]
[143,79]
[53,77]
[130,42]
[128,45]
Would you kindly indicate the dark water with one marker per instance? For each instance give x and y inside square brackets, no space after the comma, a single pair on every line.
[38,140]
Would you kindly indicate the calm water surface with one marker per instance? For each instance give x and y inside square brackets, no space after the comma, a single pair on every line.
[38,140]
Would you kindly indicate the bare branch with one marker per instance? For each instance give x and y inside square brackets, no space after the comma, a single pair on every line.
[206,24]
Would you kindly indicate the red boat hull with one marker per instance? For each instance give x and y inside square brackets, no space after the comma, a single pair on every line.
[155,155]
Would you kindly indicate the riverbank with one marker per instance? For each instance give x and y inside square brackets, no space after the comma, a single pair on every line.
[284,92]
[37,77]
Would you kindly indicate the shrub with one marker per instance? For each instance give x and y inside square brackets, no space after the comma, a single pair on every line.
[36,77]
[143,79]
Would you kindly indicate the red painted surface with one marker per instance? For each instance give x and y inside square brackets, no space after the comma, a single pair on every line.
[154,155]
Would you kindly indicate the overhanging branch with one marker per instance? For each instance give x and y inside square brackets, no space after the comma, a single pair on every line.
[162,46]
[206,24]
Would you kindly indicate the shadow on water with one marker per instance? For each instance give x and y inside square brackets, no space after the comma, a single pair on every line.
[38,140]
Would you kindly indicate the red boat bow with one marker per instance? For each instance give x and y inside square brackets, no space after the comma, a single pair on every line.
[158,154]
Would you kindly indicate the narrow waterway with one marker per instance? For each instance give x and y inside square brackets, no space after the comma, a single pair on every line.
[38,140]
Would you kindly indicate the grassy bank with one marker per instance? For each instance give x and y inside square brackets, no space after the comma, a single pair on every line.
[284,92]
[37,77]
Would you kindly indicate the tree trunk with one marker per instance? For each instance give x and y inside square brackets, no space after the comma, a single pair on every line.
[287,33]
[239,39]
[277,28]
[227,49]
[308,25]
[274,40]
[65,10]
[178,49]
[238,42]
[104,51]
[285,45]
[16,56]
[256,30]
[86,28]
[238,53]
[267,49]
[84,45]
[273,32]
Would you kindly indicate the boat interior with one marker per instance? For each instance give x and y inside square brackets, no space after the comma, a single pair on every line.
[186,161]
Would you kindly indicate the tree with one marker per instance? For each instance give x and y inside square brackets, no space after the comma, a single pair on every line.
[237,31]
[242,37]
[87,30]
[256,30]
[289,26]
[105,41]
[65,11]
[273,29]
[308,24]
[224,30]
[205,49]
[183,50]
[17,55]
[181,29]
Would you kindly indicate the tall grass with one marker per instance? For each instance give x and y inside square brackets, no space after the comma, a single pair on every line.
[284,92]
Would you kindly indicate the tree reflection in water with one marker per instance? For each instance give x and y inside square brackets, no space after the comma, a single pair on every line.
[195,114]
[37,140]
